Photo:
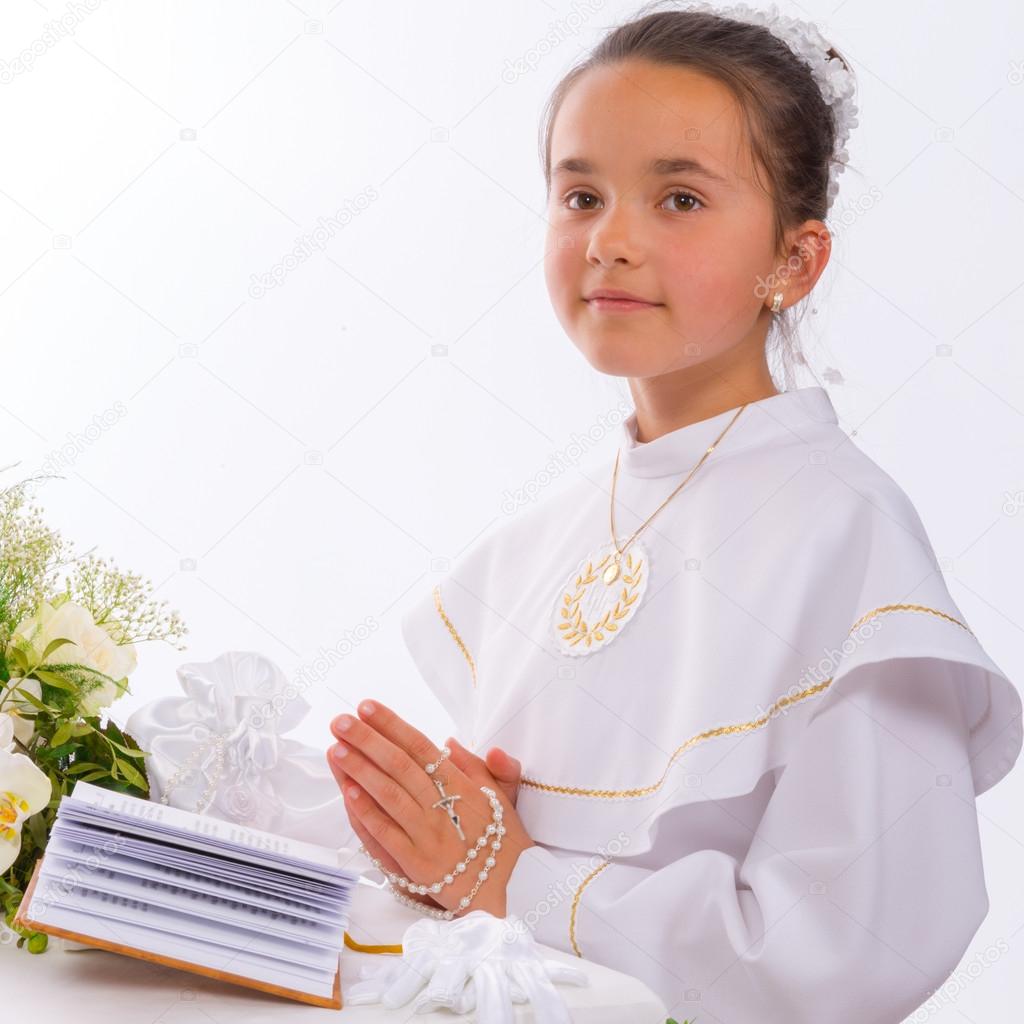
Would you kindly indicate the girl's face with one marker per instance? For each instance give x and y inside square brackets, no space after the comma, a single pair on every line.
[652,193]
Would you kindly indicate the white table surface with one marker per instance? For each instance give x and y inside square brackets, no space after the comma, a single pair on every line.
[94,986]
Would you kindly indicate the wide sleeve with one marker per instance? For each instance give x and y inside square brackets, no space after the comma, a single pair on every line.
[861,889]
[442,630]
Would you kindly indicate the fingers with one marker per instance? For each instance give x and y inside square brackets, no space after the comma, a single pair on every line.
[481,771]
[359,771]
[373,848]
[468,763]
[336,770]
[394,728]
[391,758]
[493,995]
[497,764]
[503,766]
[540,991]
[368,819]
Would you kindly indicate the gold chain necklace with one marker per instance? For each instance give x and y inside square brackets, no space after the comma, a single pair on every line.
[587,616]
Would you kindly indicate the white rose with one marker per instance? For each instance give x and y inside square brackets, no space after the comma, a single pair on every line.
[91,645]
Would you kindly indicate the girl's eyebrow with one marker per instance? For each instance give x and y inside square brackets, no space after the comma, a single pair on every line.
[660,165]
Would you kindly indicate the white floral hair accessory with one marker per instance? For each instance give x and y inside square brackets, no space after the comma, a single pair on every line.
[836,84]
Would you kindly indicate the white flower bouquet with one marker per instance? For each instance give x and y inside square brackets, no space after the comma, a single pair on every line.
[69,627]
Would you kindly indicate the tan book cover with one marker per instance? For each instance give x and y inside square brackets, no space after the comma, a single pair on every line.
[21,918]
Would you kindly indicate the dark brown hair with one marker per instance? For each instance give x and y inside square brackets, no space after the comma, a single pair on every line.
[790,128]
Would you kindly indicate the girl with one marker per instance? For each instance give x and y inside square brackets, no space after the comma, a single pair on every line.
[752,723]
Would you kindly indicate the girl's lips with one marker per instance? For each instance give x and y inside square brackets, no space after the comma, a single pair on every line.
[605,305]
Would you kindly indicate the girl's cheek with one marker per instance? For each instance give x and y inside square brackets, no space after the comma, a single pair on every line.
[562,271]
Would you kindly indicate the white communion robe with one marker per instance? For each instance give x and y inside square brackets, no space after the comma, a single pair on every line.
[759,797]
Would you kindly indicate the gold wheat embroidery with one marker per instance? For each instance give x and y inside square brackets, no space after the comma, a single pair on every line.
[576,902]
[454,632]
[709,734]
[730,730]
[575,627]
[886,608]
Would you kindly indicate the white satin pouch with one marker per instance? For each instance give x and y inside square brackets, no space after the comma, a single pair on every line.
[265,780]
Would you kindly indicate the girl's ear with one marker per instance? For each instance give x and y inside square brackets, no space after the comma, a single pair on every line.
[810,248]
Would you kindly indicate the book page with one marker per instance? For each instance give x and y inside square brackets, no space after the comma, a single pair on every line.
[221,958]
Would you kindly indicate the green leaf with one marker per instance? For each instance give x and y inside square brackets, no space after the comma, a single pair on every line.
[137,754]
[62,735]
[17,657]
[132,774]
[52,646]
[32,699]
[53,679]
[52,753]
[122,747]
[37,829]
[84,766]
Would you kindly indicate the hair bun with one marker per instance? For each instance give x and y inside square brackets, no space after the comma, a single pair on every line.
[829,71]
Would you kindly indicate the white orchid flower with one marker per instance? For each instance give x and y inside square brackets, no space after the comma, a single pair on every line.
[14,704]
[24,790]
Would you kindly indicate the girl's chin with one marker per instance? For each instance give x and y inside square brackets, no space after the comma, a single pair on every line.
[625,357]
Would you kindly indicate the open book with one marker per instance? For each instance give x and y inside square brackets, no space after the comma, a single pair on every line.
[141,878]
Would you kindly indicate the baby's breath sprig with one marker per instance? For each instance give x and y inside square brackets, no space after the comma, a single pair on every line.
[31,557]
[122,602]
[55,689]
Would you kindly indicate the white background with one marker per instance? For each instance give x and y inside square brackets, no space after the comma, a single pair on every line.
[292,464]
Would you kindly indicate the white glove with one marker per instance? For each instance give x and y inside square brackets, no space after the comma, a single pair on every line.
[503,965]
[394,983]
[477,961]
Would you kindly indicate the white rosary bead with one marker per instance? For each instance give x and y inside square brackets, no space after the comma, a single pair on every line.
[217,740]
[397,882]
[431,768]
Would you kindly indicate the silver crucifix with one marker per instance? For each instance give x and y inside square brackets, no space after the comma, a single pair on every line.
[447,802]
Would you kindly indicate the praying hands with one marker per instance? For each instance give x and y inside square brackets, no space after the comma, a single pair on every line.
[404,819]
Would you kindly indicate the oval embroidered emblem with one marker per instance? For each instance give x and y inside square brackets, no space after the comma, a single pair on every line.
[598,599]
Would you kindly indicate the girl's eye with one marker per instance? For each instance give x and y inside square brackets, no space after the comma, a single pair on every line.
[590,196]
[578,192]
[684,195]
